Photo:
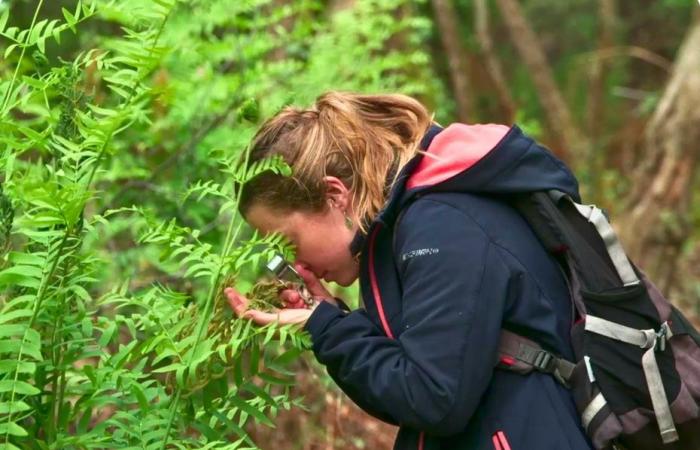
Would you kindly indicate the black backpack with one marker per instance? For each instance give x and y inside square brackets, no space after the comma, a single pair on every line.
[636,377]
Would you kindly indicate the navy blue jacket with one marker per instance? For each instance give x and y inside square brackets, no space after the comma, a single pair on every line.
[447,264]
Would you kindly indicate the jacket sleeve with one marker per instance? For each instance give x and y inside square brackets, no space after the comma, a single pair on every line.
[455,287]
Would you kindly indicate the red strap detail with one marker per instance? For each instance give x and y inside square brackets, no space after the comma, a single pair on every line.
[563,248]
[421,440]
[507,360]
[504,442]
[375,285]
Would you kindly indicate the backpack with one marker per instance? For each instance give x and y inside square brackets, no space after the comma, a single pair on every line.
[636,375]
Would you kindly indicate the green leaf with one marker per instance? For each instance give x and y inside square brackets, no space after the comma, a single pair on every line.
[85,420]
[3,19]
[81,292]
[251,410]
[78,9]
[31,134]
[140,396]
[11,32]
[287,357]
[276,380]
[254,359]
[13,429]
[259,392]
[70,19]
[12,315]
[238,371]
[86,325]
[20,387]
[11,365]
[14,407]
[271,328]
[36,30]
[169,368]
[10,49]
[107,334]
[230,424]
[26,258]
[12,330]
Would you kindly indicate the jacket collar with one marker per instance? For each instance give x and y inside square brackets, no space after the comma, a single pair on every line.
[388,213]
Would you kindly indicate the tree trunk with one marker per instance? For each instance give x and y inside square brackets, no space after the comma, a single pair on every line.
[557,114]
[286,24]
[493,66]
[335,6]
[599,68]
[595,119]
[445,17]
[656,221]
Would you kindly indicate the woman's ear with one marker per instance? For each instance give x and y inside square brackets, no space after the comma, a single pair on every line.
[337,194]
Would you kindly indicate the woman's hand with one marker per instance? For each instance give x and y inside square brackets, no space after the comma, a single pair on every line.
[318,291]
[239,304]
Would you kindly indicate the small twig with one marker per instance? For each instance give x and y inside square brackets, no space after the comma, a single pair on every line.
[633,51]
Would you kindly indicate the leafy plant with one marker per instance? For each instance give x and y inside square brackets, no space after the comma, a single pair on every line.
[113,329]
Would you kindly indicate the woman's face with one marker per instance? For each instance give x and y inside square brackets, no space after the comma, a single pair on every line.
[322,240]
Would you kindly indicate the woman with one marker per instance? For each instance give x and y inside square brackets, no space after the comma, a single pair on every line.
[416,212]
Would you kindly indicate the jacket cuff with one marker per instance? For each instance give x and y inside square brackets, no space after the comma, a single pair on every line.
[341,304]
[324,313]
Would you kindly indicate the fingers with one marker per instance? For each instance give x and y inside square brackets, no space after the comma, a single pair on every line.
[282,317]
[296,314]
[261,317]
[313,284]
[291,297]
[308,276]
[238,302]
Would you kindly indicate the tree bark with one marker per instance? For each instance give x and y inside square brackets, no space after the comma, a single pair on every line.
[445,17]
[493,65]
[599,68]
[286,24]
[656,221]
[595,112]
[335,6]
[557,113]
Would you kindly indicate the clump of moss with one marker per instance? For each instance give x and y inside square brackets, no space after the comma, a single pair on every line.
[265,294]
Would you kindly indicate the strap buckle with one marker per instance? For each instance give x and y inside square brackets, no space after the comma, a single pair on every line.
[544,361]
[662,336]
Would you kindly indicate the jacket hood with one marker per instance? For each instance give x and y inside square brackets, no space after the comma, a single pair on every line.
[478,159]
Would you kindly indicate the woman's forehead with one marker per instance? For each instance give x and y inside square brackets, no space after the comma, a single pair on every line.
[268,220]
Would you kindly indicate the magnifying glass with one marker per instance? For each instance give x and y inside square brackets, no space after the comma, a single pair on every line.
[283,271]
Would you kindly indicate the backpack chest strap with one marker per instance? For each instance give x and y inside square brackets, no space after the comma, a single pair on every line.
[522,355]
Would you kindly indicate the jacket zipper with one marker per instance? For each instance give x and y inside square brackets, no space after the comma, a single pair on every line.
[380,307]
[375,285]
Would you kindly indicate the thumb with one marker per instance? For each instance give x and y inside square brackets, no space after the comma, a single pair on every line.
[313,284]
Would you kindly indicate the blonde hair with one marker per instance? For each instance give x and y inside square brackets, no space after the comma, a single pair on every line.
[363,140]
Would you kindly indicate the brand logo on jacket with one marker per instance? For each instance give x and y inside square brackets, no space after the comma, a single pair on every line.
[419,252]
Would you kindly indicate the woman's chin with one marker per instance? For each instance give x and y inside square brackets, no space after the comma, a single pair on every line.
[343,281]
